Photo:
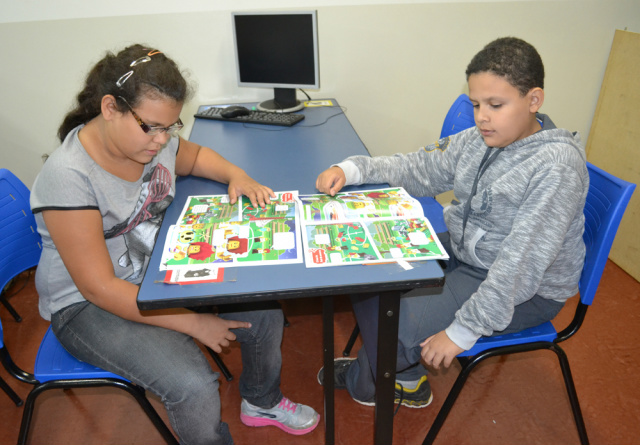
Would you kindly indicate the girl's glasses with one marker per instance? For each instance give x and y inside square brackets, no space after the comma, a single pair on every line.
[152,130]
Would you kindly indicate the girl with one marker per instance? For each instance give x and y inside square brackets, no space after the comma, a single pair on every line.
[99,201]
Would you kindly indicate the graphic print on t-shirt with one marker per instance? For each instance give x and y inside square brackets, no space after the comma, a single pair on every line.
[139,231]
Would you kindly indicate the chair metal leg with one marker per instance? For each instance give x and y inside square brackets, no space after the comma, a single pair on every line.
[10,392]
[469,363]
[139,393]
[451,398]
[27,414]
[14,369]
[223,368]
[136,391]
[571,392]
[10,308]
[352,340]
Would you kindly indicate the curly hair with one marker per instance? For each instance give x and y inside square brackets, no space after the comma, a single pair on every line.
[515,60]
[119,75]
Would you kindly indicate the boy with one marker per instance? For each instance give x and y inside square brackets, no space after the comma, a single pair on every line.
[514,237]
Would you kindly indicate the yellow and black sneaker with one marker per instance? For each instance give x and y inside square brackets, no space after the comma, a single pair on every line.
[418,397]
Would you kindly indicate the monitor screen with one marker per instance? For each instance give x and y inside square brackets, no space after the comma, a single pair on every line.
[277,50]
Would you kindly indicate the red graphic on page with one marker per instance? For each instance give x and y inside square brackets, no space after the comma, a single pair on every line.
[318,256]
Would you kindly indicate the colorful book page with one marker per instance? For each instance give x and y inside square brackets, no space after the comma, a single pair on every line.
[360,205]
[371,241]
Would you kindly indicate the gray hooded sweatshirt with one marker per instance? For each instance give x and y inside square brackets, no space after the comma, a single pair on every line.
[524,224]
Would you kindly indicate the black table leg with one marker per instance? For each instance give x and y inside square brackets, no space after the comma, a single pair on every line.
[328,383]
[388,315]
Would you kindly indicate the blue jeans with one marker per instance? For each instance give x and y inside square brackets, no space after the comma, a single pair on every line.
[422,316]
[172,366]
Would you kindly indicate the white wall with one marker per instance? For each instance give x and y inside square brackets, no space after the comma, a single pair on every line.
[395,67]
[34,10]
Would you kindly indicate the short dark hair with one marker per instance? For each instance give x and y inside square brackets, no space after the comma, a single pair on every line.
[515,60]
[160,77]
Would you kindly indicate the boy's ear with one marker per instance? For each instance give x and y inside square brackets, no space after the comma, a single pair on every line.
[108,106]
[536,99]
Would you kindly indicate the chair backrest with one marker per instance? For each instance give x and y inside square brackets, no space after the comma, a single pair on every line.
[603,210]
[459,117]
[20,243]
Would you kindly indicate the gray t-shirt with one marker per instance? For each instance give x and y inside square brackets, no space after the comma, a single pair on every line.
[131,214]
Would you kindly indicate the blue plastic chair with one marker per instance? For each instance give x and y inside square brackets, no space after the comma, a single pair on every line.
[606,203]
[54,368]
[459,117]
[5,387]
[20,245]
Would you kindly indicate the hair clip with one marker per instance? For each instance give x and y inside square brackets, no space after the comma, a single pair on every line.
[136,62]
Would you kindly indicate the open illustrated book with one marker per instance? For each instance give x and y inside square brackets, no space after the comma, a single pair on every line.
[367,226]
[211,233]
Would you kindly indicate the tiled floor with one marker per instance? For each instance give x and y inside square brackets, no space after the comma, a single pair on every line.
[515,400]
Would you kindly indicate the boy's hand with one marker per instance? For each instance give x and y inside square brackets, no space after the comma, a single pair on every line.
[439,349]
[257,193]
[331,181]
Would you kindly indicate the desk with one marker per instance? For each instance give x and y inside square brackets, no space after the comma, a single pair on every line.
[290,158]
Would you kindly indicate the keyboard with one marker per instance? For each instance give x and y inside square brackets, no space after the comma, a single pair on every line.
[255,117]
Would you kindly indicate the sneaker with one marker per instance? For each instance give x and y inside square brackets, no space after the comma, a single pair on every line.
[340,368]
[418,397]
[294,418]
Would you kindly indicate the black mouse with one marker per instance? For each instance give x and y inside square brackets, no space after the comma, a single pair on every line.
[234,111]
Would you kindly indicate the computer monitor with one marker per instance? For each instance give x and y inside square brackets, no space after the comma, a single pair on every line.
[277,50]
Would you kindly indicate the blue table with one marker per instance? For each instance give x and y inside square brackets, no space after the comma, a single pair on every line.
[290,158]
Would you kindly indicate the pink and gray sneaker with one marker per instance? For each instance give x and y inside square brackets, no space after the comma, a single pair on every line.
[294,418]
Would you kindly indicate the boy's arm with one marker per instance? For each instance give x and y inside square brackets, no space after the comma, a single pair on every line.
[426,172]
[337,176]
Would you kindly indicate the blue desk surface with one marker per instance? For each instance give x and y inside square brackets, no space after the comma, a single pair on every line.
[284,158]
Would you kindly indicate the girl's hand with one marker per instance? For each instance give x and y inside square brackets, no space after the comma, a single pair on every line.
[214,332]
[257,193]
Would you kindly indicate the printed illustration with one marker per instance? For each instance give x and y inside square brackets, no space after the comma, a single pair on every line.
[366,227]
[353,206]
[209,209]
[197,274]
[362,227]
[213,232]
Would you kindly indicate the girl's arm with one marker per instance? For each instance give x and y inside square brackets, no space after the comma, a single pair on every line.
[78,236]
[201,161]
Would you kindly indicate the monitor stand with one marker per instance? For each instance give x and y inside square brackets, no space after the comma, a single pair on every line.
[284,101]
